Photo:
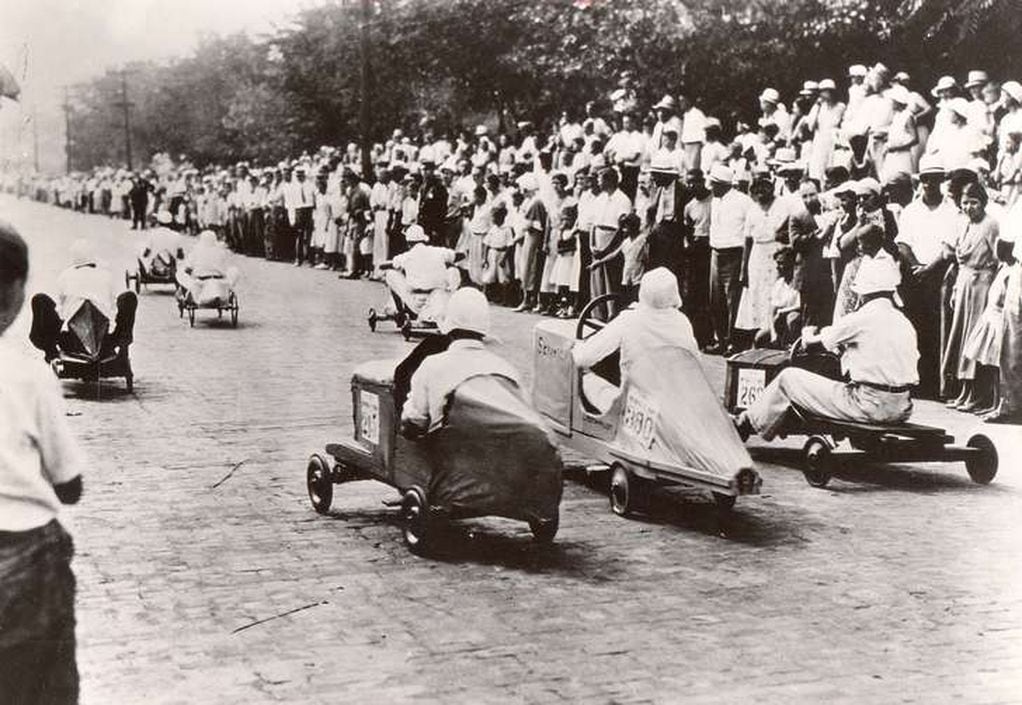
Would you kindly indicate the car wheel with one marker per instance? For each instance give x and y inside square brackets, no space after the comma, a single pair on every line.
[982,466]
[319,483]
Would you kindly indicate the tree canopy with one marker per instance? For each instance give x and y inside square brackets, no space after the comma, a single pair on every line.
[239,97]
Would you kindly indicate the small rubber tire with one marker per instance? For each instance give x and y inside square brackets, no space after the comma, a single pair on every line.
[129,381]
[191,317]
[724,502]
[406,330]
[544,530]
[415,521]
[320,484]
[628,493]
[234,310]
[816,456]
[371,319]
[982,466]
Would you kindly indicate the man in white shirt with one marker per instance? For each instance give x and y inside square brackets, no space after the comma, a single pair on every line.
[300,200]
[626,149]
[423,277]
[667,117]
[927,230]
[695,268]
[878,351]
[693,132]
[729,223]
[467,323]
[40,469]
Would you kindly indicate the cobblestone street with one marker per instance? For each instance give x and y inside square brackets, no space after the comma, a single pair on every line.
[204,575]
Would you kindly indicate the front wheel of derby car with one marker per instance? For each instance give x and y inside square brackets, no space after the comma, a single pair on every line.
[628,493]
[319,481]
[415,521]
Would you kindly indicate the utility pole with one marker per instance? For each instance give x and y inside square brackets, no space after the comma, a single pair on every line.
[126,106]
[364,114]
[67,129]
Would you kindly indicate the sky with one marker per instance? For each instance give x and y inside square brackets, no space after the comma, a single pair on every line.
[49,43]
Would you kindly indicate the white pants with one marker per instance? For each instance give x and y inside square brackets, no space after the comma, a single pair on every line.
[824,397]
[427,306]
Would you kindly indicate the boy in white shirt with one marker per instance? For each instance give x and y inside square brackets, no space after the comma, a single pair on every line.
[40,468]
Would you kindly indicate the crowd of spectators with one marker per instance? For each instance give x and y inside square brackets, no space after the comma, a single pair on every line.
[764,223]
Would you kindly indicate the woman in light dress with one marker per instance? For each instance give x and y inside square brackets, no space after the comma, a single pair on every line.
[823,121]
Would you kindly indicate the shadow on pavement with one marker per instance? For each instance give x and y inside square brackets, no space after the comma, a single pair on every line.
[494,542]
[933,478]
[694,510]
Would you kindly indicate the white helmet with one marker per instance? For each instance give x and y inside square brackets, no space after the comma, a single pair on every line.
[163,217]
[415,233]
[467,310]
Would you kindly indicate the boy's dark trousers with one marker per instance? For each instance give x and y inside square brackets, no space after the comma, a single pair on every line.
[37,617]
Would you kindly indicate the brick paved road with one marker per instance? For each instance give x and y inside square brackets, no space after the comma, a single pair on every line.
[892,586]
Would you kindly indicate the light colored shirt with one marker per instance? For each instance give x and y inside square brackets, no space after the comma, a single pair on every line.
[439,376]
[693,126]
[697,214]
[37,450]
[425,266]
[609,207]
[635,332]
[877,343]
[927,230]
[729,219]
[86,283]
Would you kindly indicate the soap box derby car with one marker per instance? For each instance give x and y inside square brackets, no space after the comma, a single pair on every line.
[675,433]
[750,371]
[87,350]
[213,292]
[161,270]
[491,456]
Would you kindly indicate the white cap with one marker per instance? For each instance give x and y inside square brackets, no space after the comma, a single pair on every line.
[878,273]
[163,217]
[659,289]
[722,174]
[81,252]
[663,163]
[467,310]
[415,233]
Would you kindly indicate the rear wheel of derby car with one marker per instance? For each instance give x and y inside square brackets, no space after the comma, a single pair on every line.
[371,319]
[816,457]
[415,520]
[982,466]
[544,530]
[628,492]
[234,310]
[320,484]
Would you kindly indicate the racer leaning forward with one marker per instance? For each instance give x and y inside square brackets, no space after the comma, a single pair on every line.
[879,352]
[466,323]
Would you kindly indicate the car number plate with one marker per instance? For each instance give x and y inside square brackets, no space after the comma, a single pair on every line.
[750,385]
[369,416]
[640,418]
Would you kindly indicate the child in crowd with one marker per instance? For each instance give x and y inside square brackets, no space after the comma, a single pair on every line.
[983,346]
[785,305]
[566,250]
[477,225]
[40,469]
[497,254]
[634,248]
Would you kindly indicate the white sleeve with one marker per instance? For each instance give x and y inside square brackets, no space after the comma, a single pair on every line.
[590,351]
[416,408]
[845,330]
[62,458]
